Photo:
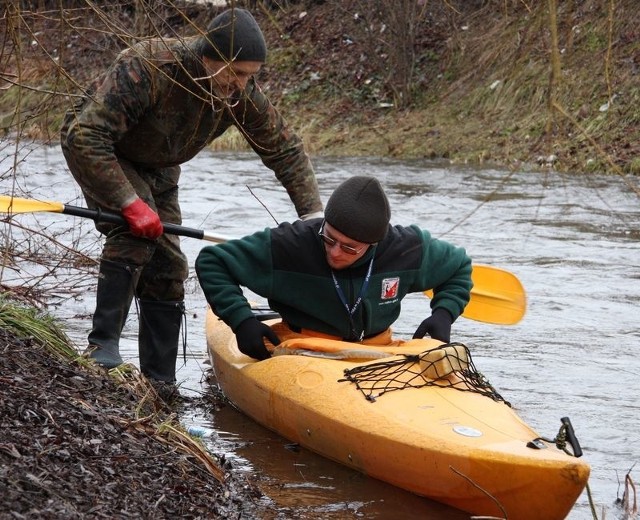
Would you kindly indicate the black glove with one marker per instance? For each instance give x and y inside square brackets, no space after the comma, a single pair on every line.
[438,325]
[249,336]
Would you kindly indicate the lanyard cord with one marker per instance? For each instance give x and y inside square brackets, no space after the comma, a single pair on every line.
[343,299]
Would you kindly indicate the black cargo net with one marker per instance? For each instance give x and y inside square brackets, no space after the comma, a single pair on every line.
[448,366]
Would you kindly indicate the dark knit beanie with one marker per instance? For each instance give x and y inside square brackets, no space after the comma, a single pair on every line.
[359,209]
[234,35]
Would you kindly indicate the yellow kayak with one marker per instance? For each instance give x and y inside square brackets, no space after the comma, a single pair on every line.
[398,414]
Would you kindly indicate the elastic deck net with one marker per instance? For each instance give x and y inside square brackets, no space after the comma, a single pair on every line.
[448,366]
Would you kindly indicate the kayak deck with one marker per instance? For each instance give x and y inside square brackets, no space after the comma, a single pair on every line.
[460,448]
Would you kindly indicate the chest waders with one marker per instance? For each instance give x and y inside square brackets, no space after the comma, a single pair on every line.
[160,322]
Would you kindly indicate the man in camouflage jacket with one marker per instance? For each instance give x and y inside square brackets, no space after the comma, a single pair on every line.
[156,107]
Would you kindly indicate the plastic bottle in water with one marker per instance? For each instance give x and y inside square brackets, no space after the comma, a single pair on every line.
[200,431]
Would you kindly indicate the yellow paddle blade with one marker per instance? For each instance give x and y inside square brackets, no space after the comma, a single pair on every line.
[15,205]
[497,296]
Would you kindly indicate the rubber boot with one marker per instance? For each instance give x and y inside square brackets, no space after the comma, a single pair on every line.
[158,338]
[116,285]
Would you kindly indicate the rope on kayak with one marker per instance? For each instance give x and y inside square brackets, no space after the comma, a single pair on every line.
[566,436]
[448,366]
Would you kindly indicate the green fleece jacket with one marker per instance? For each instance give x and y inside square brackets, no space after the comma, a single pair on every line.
[287,265]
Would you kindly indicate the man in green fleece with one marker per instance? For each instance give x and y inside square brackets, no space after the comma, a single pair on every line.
[342,277]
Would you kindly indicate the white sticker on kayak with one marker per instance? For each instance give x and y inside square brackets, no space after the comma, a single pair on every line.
[467,431]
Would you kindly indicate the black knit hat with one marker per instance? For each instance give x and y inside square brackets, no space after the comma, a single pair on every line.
[234,35]
[359,209]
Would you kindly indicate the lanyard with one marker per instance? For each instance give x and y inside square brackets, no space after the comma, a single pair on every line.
[343,299]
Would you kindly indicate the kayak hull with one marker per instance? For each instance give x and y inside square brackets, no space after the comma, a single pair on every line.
[459,448]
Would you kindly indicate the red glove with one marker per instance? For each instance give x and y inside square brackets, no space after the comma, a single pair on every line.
[142,220]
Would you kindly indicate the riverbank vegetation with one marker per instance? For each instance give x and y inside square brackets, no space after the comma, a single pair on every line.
[514,83]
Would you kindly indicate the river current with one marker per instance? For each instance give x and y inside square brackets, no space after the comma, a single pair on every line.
[572,240]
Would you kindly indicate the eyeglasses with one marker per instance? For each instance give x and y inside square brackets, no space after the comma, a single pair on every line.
[332,242]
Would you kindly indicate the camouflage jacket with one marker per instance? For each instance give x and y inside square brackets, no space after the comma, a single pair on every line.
[150,109]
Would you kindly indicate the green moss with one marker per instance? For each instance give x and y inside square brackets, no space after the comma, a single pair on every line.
[593,39]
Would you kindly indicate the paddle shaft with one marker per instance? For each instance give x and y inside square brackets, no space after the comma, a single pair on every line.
[99,215]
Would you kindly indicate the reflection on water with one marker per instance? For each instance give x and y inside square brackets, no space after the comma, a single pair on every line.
[305,485]
[572,240]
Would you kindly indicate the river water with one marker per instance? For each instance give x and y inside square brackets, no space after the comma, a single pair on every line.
[571,239]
